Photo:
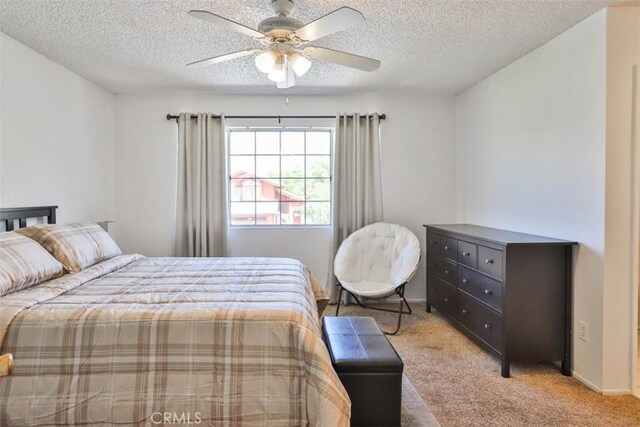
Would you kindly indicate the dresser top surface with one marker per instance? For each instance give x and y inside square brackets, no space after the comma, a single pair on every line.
[496,235]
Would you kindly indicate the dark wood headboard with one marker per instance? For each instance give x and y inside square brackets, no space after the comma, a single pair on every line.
[10,215]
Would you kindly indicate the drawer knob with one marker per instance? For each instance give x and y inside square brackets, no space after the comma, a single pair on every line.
[465,281]
[464,311]
[487,326]
[446,248]
[487,292]
[434,242]
[446,299]
[488,261]
[447,272]
[466,253]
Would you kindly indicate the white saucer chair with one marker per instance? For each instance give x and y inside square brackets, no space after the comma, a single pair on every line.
[376,262]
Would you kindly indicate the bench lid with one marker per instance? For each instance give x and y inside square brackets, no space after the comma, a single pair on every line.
[357,345]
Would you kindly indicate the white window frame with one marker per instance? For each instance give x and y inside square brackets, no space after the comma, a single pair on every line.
[280,129]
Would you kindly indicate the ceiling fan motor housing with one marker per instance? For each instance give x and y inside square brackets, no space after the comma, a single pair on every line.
[282,7]
[279,26]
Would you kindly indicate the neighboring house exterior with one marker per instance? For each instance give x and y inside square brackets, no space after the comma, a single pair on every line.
[272,202]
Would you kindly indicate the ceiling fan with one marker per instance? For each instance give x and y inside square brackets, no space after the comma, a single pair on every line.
[286,51]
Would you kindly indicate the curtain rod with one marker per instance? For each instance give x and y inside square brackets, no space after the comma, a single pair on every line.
[175,117]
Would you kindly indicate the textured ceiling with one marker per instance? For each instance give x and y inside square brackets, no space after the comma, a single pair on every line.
[433,46]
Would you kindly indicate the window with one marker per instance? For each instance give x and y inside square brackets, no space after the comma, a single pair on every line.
[280,176]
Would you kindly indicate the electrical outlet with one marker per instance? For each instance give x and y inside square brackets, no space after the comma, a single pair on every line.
[583,331]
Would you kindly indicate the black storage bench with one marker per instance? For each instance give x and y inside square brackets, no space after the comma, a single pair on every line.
[369,368]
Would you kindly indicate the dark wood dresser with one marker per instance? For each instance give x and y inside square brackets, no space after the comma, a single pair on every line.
[509,292]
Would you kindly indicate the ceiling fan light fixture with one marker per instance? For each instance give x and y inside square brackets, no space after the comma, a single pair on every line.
[278,73]
[266,61]
[300,64]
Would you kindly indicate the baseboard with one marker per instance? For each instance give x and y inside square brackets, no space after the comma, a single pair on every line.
[586,382]
[604,392]
[614,392]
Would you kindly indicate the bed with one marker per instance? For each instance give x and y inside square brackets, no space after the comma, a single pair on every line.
[145,341]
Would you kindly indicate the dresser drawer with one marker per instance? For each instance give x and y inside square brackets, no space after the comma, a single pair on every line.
[433,243]
[443,297]
[480,320]
[481,287]
[448,272]
[467,254]
[449,248]
[440,268]
[490,261]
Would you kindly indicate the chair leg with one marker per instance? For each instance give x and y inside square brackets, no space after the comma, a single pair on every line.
[400,310]
[339,299]
[407,304]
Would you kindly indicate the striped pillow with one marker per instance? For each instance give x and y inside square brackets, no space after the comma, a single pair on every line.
[24,263]
[75,245]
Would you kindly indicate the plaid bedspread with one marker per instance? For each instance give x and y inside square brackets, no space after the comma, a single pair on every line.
[161,341]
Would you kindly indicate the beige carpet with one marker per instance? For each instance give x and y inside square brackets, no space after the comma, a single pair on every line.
[462,386]
[415,412]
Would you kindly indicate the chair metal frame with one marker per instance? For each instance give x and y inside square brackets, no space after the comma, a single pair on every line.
[397,291]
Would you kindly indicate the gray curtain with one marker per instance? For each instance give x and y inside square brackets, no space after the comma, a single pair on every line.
[357,181]
[201,216]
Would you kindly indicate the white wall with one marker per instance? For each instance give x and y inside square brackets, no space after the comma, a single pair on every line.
[531,158]
[623,53]
[418,159]
[56,136]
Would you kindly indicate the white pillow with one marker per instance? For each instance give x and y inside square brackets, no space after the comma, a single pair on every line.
[75,245]
[24,263]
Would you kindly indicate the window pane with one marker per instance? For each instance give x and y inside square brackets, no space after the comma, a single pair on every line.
[268,190]
[241,166]
[292,212]
[292,143]
[318,213]
[253,192]
[243,213]
[318,166]
[241,143]
[243,190]
[319,189]
[268,166]
[292,189]
[268,213]
[236,189]
[267,142]
[292,166]
[318,143]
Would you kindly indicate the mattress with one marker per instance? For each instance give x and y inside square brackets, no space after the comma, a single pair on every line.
[135,340]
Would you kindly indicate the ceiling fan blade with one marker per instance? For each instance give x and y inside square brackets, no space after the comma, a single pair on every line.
[225,23]
[341,58]
[222,58]
[333,22]
[290,79]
